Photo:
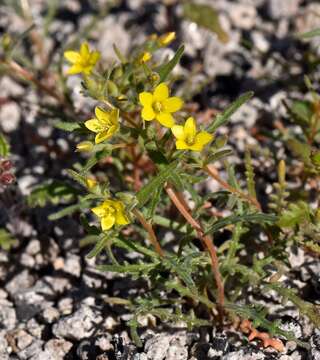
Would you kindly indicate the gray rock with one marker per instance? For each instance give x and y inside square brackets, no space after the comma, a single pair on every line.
[23,339]
[245,354]
[10,115]
[8,316]
[278,9]
[32,351]
[315,345]
[72,265]
[34,328]
[77,326]
[20,283]
[167,346]
[50,315]
[243,16]
[4,347]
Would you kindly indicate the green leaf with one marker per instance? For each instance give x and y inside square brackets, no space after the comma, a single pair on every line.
[100,245]
[166,69]
[77,177]
[233,219]
[300,149]
[296,214]
[4,146]
[301,112]
[205,16]
[68,210]
[218,155]
[6,240]
[54,192]
[223,117]
[148,190]
[309,34]
[132,269]
[66,126]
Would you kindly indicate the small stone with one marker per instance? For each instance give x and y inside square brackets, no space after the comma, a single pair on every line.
[58,348]
[315,345]
[166,346]
[50,315]
[278,9]
[23,339]
[9,116]
[243,16]
[65,306]
[8,316]
[289,324]
[104,343]
[33,247]
[34,328]
[72,265]
[31,351]
[79,325]
[19,283]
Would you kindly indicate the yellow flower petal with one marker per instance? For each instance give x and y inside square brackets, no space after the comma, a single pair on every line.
[102,136]
[75,69]
[94,125]
[102,115]
[107,222]
[147,113]
[203,138]
[94,57]
[178,132]
[84,50]
[181,145]
[72,56]
[172,104]
[161,92]
[99,211]
[165,119]
[145,99]
[167,38]
[190,129]
[114,117]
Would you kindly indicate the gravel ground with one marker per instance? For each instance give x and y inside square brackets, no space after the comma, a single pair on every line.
[53,302]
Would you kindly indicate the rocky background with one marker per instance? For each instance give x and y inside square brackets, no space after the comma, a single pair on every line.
[53,302]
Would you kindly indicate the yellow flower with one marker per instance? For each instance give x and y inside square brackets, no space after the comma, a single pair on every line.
[84,146]
[111,212]
[105,124]
[91,183]
[145,57]
[167,38]
[158,105]
[188,138]
[82,61]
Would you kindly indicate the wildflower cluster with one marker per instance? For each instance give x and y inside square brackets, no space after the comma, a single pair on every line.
[155,105]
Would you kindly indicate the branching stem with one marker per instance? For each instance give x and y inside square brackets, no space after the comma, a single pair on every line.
[150,231]
[183,208]
[212,171]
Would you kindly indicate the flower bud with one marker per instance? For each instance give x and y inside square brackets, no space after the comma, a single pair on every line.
[84,146]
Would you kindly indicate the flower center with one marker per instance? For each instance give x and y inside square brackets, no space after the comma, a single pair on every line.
[157,107]
[190,139]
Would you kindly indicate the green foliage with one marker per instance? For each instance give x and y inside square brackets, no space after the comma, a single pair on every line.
[205,16]
[136,181]
[4,146]
[6,240]
[54,192]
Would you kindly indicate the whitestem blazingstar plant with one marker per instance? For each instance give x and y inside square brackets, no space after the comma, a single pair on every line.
[156,154]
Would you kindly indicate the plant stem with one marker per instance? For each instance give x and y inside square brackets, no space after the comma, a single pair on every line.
[212,171]
[183,208]
[149,229]
[16,69]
